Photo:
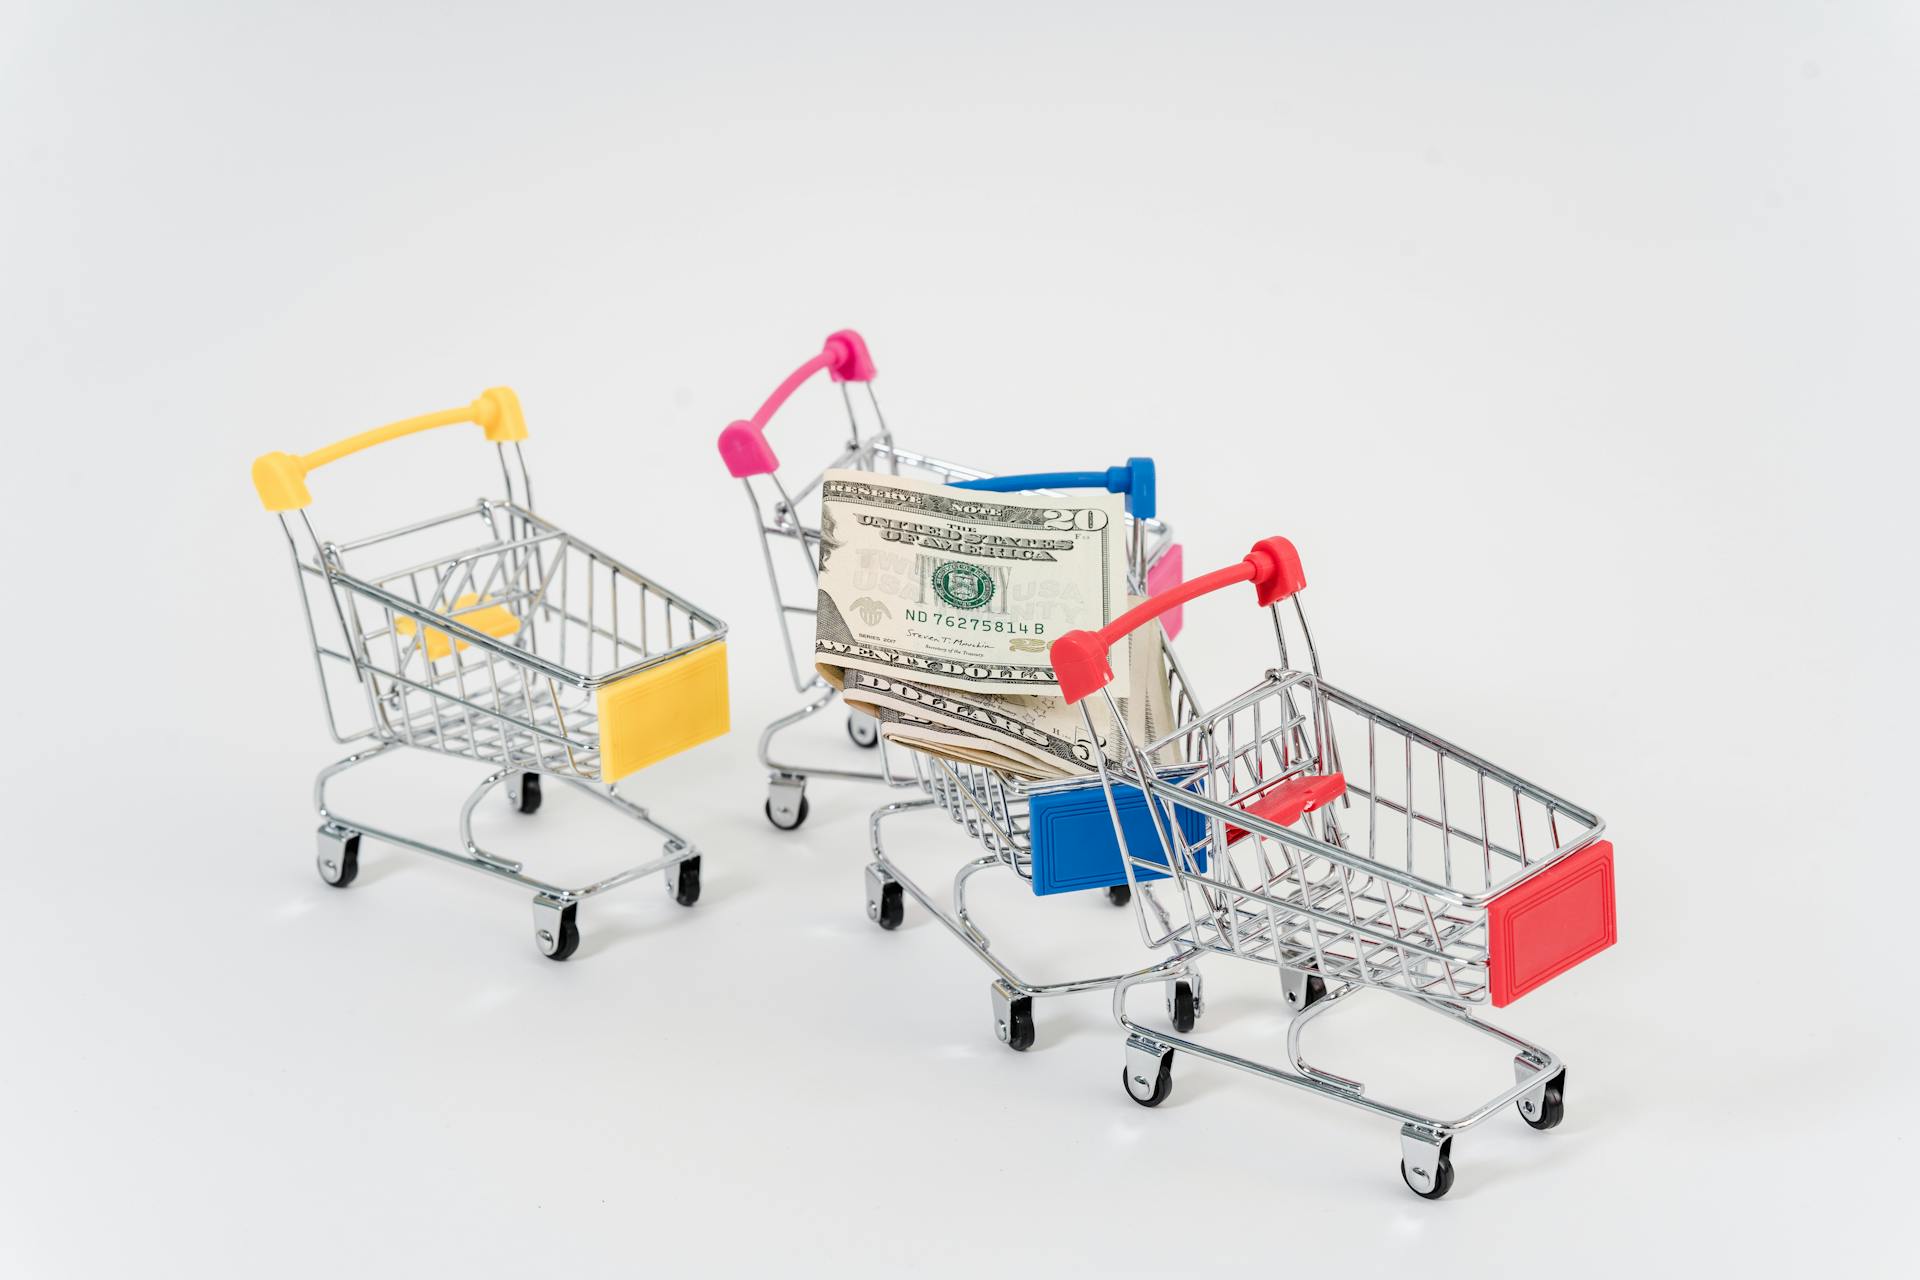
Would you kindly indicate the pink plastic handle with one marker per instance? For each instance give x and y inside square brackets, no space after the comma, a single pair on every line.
[743,445]
[1080,657]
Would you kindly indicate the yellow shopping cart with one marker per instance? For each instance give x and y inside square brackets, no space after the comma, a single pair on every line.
[492,634]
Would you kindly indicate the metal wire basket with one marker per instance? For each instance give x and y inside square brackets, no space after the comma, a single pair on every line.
[532,650]
[1347,849]
[492,634]
[786,518]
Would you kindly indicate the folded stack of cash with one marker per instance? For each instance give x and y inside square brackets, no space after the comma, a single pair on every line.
[938,605]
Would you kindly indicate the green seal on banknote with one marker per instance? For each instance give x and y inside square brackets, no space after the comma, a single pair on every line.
[963,585]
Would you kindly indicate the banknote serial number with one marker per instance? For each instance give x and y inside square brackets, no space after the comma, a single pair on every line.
[969,622]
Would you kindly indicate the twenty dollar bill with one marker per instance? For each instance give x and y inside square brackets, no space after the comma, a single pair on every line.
[1028,736]
[956,589]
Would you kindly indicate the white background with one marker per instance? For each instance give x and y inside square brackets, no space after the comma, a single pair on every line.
[1572,344]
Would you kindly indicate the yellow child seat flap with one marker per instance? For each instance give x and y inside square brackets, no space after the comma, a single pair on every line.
[494,620]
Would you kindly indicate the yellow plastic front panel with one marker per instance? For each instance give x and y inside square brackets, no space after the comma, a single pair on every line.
[654,714]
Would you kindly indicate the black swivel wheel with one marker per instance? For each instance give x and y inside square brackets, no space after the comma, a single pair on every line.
[799,815]
[893,906]
[685,881]
[1316,991]
[528,800]
[863,729]
[564,940]
[1442,1174]
[1185,1007]
[1551,1108]
[339,858]
[1162,1084]
[1019,1035]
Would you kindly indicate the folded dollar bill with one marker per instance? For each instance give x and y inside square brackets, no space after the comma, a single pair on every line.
[1043,737]
[958,589]
[937,608]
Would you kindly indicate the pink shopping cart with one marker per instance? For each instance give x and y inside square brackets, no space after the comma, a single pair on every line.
[786,515]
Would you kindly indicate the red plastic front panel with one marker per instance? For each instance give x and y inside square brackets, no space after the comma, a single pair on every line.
[1551,923]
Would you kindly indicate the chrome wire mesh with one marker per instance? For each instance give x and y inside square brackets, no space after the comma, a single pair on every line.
[494,634]
[994,809]
[989,806]
[1388,885]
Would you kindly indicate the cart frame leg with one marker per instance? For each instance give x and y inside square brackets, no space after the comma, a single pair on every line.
[338,827]
[1008,987]
[1426,1140]
[780,771]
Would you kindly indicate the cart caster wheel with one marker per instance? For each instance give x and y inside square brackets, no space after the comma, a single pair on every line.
[1303,990]
[339,859]
[523,793]
[556,931]
[863,729]
[886,901]
[793,819]
[1162,1084]
[1119,894]
[1185,1008]
[787,805]
[684,881]
[1549,1107]
[1148,1071]
[892,907]
[1012,1018]
[1018,1027]
[1441,1181]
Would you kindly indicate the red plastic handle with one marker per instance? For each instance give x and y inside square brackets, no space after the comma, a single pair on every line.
[743,445]
[1080,657]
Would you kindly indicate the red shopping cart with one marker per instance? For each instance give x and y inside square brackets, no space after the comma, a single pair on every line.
[1345,848]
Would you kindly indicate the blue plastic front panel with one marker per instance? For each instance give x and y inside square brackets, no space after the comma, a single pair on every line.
[1073,840]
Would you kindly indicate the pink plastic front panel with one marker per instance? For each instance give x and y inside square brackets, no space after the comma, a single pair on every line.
[1166,573]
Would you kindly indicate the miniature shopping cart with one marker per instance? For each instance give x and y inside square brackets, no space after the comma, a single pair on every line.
[494,635]
[1317,834]
[1056,835]
[786,518]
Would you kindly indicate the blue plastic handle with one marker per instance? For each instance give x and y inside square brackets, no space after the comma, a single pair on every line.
[1135,480]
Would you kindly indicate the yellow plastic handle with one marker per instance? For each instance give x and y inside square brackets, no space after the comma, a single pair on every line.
[281,478]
